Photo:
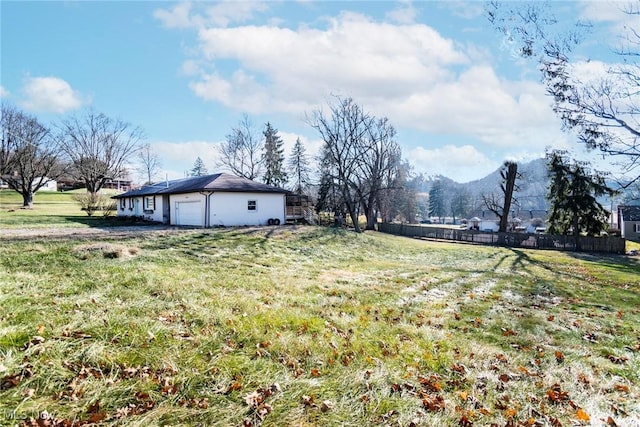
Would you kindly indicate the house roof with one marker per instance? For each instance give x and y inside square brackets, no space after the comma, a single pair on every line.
[630,213]
[221,182]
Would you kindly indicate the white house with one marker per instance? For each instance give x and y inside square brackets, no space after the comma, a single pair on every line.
[206,201]
[629,222]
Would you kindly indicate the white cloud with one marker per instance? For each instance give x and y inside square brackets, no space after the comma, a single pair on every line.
[178,17]
[405,13]
[178,157]
[3,92]
[49,94]
[407,72]
[220,14]
[462,163]
[464,9]
[354,56]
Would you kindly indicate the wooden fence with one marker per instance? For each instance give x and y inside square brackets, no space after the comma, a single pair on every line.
[612,245]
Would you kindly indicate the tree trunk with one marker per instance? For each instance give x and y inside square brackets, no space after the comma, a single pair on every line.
[27,199]
[510,184]
[371,219]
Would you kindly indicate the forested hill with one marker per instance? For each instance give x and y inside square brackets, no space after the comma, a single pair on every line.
[532,187]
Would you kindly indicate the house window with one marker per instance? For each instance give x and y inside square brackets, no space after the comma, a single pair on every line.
[637,227]
[252,205]
[123,203]
[149,203]
[131,204]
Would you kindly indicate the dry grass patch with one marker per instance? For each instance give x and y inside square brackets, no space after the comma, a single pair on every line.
[104,250]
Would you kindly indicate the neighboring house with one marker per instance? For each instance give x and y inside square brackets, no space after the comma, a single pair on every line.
[629,222]
[50,185]
[206,201]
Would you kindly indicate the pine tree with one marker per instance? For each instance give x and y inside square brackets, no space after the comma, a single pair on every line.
[437,201]
[299,169]
[199,169]
[572,193]
[273,157]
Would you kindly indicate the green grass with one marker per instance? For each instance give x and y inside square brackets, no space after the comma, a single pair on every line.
[314,327]
[50,209]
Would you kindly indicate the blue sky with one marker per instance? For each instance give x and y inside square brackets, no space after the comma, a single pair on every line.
[460,99]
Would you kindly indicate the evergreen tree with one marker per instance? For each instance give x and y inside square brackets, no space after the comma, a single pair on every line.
[299,169]
[572,193]
[199,169]
[460,203]
[437,200]
[273,157]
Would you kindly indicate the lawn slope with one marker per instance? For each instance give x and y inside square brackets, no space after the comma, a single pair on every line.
[314,327]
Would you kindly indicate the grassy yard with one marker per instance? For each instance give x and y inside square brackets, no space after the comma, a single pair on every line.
[314,327]
[51,209]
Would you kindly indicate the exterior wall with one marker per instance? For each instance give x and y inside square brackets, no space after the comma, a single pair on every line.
[225,209]
[134,206]
[50,186]
[188,197]
[231,209]
[628,230]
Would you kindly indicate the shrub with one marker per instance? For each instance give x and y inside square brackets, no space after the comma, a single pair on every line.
[93,202]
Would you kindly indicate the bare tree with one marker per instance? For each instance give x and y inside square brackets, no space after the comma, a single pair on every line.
[241,153]
[29,155]
[501,205]
[358,153]
[604,111]
[98,147]
[149,163]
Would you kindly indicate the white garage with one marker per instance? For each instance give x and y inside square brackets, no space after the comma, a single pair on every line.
[189,213]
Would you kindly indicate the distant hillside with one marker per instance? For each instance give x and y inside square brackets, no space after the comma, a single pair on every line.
[530,195]
[532,187]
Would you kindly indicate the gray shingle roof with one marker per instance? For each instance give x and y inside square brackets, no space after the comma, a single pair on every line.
[630,213]
[221,182]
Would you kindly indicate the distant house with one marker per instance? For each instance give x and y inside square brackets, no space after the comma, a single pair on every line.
[206,201]
[50,185]
[629,222]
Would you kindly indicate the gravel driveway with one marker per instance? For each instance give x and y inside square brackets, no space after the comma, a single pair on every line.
[72,232]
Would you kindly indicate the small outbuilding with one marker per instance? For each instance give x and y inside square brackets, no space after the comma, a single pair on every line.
[629,222]
[218,200]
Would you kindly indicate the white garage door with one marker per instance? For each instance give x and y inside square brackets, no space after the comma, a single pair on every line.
[189,213]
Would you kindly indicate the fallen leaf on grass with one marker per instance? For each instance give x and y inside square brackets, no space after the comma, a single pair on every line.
[254,399]
[611,422]
[618,360]
[430,383]
[326,405]
[556,394]
[433,403]
[582,415]
[95,413]
[465,422]
[621,387]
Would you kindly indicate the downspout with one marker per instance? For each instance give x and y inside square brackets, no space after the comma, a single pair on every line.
[207,206]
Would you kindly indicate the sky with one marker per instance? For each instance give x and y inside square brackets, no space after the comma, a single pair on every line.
[460,98]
